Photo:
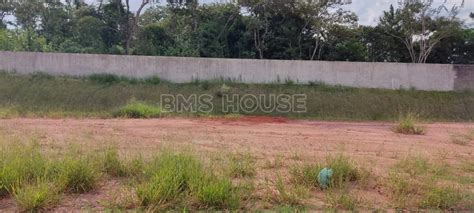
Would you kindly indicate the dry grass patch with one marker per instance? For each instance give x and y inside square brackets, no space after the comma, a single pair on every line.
[408,125]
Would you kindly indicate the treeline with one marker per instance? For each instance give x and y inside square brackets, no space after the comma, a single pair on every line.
[417,32]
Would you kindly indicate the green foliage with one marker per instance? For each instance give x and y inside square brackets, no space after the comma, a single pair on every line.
[78,174]
[173,176]
[136,109]
[441,198]
[20,163]
[306,174]
[37,196]
[344,170]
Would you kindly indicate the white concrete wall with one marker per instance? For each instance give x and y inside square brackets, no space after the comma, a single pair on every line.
[175,69]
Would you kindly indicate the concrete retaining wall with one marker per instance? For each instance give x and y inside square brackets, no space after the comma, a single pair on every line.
[441,77]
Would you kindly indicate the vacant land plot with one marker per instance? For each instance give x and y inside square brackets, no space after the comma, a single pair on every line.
[271,162]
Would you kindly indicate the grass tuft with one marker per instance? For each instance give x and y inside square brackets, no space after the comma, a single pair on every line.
[137,109]
[341,200]
[407,125]
[175,176]
[242,165]
[78,174]
[306,175]
[38,196]
[441,198]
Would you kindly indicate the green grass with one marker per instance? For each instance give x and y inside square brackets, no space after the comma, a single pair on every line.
[441,198]
[414,182]
[173,177]
[341,200]
[306,174]
[136,109]
[100,96]
[77,174]
[344,171]
[407,124]
[37,196]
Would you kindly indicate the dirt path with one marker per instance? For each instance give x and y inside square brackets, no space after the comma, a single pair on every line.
[370,144]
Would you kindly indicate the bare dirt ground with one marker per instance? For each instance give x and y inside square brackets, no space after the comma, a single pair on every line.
[371,144]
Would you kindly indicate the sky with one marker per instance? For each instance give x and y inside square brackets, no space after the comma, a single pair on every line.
[368,11]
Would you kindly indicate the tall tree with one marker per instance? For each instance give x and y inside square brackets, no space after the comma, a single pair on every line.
[420,26]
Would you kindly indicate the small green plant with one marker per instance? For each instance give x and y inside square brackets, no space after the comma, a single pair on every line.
[242,165]
[136,109]
[38,196]
[112,164]
[404,190]
[441,198]
[341,200]
[306,174]
[20,163]
[344,170]
[78,174]
[214,192]
[407,125]
[292,195]
[170,176]
[155,80]
[105,78]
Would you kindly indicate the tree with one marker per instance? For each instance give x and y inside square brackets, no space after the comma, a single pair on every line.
[132,24]
[420,26]
[6,8]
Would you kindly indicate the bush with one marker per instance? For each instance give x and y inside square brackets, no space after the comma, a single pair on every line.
[139,110]
[105,78]
[78,174]
[407,125]
[38,196]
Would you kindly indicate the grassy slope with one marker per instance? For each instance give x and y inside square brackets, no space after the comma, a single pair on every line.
[43,95]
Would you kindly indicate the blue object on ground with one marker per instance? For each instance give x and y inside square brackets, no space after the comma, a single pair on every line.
[324,178]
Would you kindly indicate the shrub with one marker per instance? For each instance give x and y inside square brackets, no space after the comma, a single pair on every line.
[38,196]
[78,174]
[155,80]
[104,78]
[407,125]
[441,198]
[136,109]
[242,165]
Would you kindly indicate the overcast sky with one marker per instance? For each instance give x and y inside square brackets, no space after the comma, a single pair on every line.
[368,10]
